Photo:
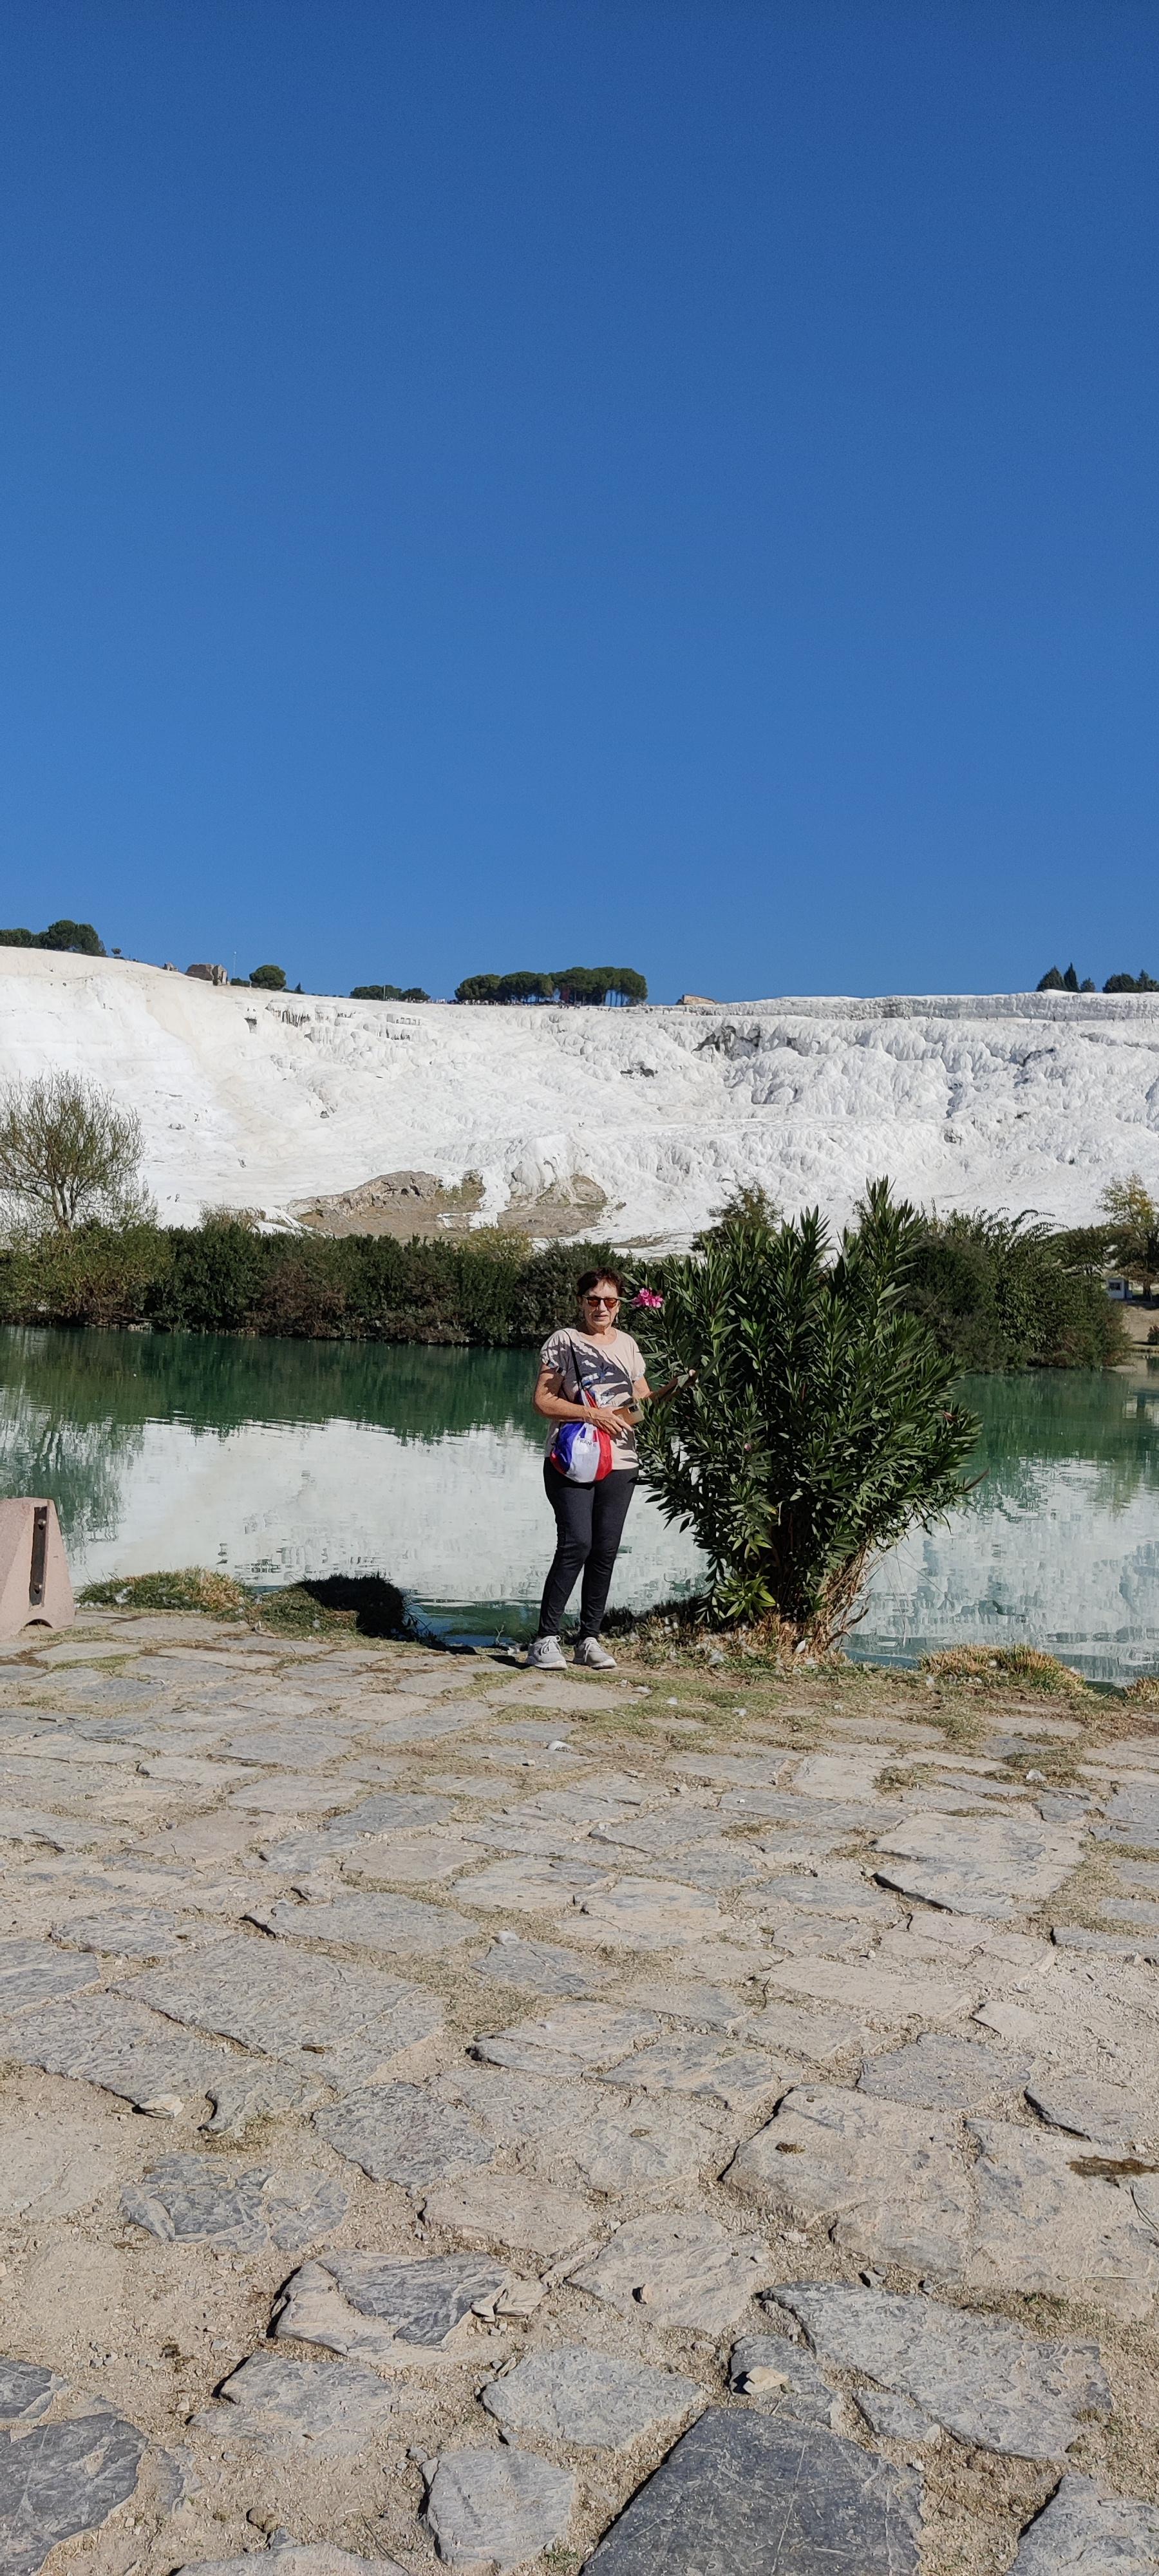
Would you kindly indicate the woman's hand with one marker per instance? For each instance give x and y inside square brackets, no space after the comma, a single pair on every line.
[611,1418]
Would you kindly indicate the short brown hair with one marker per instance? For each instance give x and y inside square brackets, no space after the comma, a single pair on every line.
[589,1279]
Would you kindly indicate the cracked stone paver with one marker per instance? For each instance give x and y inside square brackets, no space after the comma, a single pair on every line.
[977,2376]
[60,2479]
[370,2308]
[402,2133]
[573,2395]
[753,2495]
[497,2508]
[679,2270]
[197,2200]
[332,2409]
[283,2002]
[1091,2534]
[995,1866]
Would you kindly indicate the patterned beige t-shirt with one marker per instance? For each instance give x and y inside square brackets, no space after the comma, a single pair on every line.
[608,1369]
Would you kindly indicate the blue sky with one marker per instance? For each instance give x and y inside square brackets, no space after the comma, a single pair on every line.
[498,483]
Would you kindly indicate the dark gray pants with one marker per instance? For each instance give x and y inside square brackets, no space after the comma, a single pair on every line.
[589,1521]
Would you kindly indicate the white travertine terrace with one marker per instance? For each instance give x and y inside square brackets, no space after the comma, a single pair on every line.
[255,1099]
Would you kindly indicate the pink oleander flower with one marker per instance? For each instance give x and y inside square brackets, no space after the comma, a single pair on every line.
[647,1297]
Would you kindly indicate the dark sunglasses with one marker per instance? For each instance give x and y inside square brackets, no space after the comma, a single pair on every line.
[601,1301]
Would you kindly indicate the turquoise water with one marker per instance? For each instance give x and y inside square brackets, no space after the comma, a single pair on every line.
[275,1459]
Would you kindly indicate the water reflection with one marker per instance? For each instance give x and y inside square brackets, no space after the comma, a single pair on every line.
[280,1458]
[1058,1546]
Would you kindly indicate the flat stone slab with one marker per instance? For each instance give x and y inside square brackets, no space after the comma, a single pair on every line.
[387,1813]
[668,1831]
[1118,2116]
[132,1932]
[32,1972]
[284,2003]
[606,1799]
[782,2378]
[1132,1816]
[879,1991]
[539,1966]
[385,2309]
[941,2073]
[497,2509]
[745,2494]
[422,1860]
[402,2133]
[648,2141]
[103,2040]
[977,2376]
[721,2070]
[332,2409]
[513,2109]
[678,2269]
[734,1770]
[246,2089]
[20,1824]
[196,2200]
[1131,1909]
[527,1886]
[1091,2535]
[697,2000]
[564,2042]
[994,1866]
[802,2032]
[1044,2225]
[574,2395]
[59,2479]
[647,1914]
[829,1891]
[1107,1945]
[392,1924]
[508,2209]
[891,2178]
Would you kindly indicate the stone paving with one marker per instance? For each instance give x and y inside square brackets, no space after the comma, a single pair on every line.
[451,2115]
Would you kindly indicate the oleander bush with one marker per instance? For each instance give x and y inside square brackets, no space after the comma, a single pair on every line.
[812,1423]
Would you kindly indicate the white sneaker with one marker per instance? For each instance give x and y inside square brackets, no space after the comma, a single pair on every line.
[589,1651]
[545,1655]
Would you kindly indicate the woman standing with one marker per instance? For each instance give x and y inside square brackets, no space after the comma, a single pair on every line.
[594,1375]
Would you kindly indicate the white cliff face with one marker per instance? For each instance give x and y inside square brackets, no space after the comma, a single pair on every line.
[257,1100]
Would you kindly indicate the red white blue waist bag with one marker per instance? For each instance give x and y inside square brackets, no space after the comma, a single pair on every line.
[580,1450]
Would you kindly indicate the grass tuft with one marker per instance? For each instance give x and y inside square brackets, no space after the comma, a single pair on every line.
[366,1605]
[192,1587]
[1025,1665]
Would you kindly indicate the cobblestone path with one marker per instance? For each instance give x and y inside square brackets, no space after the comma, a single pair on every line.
[455,2115]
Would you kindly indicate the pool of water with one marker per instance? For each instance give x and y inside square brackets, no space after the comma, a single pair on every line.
[281,1459]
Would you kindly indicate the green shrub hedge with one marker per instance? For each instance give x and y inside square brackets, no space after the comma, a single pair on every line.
[997,1294]
[226,1278]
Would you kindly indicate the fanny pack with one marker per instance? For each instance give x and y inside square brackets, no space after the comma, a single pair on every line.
[580,1450]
